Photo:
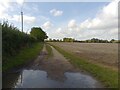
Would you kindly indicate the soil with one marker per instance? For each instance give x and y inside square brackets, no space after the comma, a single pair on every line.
[55,66]
[105,54]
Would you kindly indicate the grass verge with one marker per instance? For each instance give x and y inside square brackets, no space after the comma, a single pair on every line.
[23,56]
[108,77]
[49,50]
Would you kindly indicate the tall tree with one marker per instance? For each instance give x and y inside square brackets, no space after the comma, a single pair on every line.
[38,33]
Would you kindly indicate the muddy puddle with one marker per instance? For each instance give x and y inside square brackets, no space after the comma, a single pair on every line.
[54,72]
[40,79]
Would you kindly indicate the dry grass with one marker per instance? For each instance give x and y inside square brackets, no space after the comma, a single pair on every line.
[105,54]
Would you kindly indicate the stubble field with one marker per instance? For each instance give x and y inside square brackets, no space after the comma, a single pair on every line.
[105,54]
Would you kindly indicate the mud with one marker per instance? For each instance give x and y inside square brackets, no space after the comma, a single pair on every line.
[53,72]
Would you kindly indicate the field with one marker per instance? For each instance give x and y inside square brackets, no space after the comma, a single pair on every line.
[58,58]
[105,73]
[105,54]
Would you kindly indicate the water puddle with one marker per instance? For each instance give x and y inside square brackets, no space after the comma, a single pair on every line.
[40,79]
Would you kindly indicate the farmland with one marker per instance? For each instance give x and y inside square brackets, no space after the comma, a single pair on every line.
[59,61]
[105,54]
[104,73]
[59,44]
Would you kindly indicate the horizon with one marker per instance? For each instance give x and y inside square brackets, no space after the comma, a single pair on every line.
[78,20]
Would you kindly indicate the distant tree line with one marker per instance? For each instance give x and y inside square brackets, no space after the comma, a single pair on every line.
[96,40]
[93,40]
[68,40]
[61,40]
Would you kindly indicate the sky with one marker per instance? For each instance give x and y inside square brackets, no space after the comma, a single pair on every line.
[78,20]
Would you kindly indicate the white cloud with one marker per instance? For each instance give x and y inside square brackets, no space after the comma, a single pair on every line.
[17,18]
[106,21]
[57,34]
[43,18]
[107,18]
[47,25]
[20,2]
[103,26]
[55,12]
[4,5]
[29,19]
[72,24]
[59,30]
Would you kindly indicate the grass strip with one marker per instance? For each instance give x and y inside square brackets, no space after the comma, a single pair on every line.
[108,77]
[49,50]
[23,56]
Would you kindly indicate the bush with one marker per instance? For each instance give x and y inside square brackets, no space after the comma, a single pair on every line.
[13,40]
[38,33]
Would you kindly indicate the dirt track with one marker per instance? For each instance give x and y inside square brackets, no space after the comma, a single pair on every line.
[53,72]
[55,66]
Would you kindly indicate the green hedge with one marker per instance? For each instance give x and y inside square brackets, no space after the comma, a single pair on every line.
[13,40]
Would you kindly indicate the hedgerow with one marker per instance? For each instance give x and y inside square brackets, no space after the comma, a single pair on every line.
[13,40]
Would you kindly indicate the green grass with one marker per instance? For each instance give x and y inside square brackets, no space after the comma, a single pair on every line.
[108,77]
[49,50]
[23,56]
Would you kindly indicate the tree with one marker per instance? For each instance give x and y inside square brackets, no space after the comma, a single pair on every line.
[112,40]
[38,33]
[50,40]
[68,39]
[95,40]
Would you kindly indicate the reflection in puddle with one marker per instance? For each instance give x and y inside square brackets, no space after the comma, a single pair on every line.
[38,79]
[80,80]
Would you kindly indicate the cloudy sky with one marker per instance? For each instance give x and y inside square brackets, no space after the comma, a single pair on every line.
[79,20]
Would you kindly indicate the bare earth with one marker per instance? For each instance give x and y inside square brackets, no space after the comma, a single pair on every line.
[105,54]
[55,66]
[54,72]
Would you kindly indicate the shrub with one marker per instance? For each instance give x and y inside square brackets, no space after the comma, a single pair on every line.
[13,40]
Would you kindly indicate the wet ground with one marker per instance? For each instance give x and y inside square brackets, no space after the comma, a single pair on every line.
[53,72]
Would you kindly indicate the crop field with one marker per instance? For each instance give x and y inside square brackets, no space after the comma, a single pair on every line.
[59,45]
[105,54]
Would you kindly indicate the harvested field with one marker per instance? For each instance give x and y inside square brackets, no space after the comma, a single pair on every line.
[105,54]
